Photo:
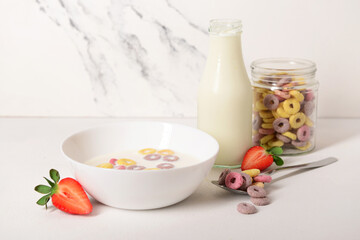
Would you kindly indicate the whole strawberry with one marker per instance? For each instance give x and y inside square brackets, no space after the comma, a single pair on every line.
[259,158]
[66,195]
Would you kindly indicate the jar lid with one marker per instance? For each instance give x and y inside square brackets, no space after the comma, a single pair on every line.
[270,71]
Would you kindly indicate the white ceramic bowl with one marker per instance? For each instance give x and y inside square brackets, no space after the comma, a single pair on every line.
[130,189]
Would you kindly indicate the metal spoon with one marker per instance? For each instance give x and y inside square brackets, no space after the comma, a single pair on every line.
[310,165]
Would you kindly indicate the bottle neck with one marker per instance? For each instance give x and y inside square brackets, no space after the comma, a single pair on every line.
[225,47]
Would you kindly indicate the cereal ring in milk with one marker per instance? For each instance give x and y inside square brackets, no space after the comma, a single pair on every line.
[266,131]
[247,181]
[257,122]
[234,180]
[125,162]
[306,147]
[281,112]
[267,125]
[152,157]
[255,191]
[113,161]
[281,125]
[309,108]
[166,152]
[297,95]
[303,133]
[265,114]
[283,138]
[135,167]
[267,138]
[297,120]
[246,208]
[223,175]
[146,151]
[121,167]
[290,135]
[170,158]
[275,143]
[105,165]
[260,201]
[165,165]
[291,106]
[252,172]
[271,102]
[259,105]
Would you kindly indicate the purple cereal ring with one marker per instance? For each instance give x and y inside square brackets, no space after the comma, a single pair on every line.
[266,131]
[303,133]
[152,157]
[256,138]
[281,125]
[271,102]
[255,191]
[257,122]
[247,181]
[170,158]
[263,178]
[165,165]
[234,180]
[298,143]
[283,81]
[309,96]
[246,208]
[283,138]
[309,108]
[223,175]
[260,201]
[135,167]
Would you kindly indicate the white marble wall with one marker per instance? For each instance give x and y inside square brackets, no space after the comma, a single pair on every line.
[135,58]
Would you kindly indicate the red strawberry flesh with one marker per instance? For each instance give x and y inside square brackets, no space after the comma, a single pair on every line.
[256,158]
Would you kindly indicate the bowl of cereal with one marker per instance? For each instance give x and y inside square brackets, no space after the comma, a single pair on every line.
[140,164]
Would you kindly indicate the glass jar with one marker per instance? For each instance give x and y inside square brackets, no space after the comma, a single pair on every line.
[284,104]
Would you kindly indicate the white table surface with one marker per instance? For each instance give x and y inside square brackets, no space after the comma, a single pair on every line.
[323,203]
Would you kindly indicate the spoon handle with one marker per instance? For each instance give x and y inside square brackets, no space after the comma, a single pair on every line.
[316,164]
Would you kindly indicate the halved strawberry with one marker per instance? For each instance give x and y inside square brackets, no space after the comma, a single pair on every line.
[259,158]
[67,195]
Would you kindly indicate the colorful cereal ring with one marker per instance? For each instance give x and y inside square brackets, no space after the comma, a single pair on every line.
[152,157]
[303,133]
[146,151]
[255,191]
[291,106]
[275,143]
[105,165]
[260,201]
[297,120]
[297,95]
[281,112]
[290,135]
[266,131]
[166,152]
[165,165]
[259,184]
[281,125]
[306,147]
[125,162]
[252,172]
[265,114]
[223,176]
[271,102]
[263,178]
[135,167]
[170,158]
[234,180]
[246,208]
[267,138]
[269,120]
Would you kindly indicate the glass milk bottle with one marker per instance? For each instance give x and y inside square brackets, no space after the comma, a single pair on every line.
[224,97]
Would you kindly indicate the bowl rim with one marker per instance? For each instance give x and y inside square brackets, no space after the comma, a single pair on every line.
[73,161]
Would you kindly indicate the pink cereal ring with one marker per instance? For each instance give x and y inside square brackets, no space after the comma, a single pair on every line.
[282,94]
[121,167]
[152,157]
[263,178]
[135,167]
[170,158]
[113,161]
[246,208]
[234,180]
[256,192]
[165,165]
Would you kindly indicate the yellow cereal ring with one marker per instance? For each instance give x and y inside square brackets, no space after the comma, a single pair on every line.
[261,90]
[267,138]
[105,165]
[259,105]
[266,146]
[268,120]
[166,152]
[126,162]
[274,113]
[146,151]
[297,95]
[259,184]
[252,172]
[297,120]
[307,146]
[254,132]
[281,112]
[265,114]
[267,125]
[290,135]
[291,106]
[277,143]
[308,122]
[152,169]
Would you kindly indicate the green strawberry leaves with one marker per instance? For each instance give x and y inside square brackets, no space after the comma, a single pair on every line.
[275,151]
[49,191]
